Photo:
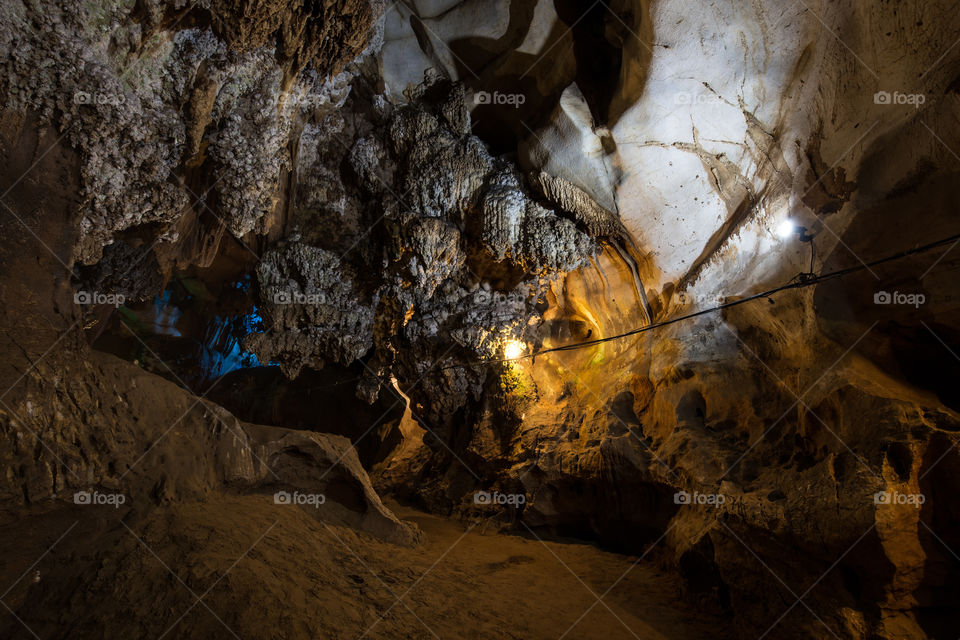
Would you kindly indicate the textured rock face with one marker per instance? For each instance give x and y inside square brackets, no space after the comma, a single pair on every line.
[165,111]
[464,261]
[79,421]
[86,414]
[725,121]
[309,287]
[658,146]
[304,33]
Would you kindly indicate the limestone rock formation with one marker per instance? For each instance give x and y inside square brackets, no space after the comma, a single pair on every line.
[420,195]
[457,219]
[189,450]
[149,101]
[787,113]
[570,149]
[309,287]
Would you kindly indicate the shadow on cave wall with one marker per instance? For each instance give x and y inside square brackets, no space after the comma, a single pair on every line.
[939,592]
[914,342]
[585,48]
[191,332]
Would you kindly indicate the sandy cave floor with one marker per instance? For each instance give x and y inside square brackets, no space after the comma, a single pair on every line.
[272,571]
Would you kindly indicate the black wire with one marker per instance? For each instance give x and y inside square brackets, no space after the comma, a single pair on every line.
[801,281]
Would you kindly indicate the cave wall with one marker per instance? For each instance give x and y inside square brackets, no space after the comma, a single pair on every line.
[444,177]
[727,120]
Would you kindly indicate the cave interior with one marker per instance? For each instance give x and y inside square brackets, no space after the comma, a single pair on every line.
[480,319]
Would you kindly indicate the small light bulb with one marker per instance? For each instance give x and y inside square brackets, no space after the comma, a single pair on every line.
[513,349]
[786,229]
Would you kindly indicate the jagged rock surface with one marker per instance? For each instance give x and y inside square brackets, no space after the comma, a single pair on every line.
[456,218]
[725,121]
[314,310]
[148,102]
[797,412]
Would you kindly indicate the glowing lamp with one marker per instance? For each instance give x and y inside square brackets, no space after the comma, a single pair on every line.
[787,228]
[513,349]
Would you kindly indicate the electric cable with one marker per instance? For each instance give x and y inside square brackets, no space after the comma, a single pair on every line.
[800,281]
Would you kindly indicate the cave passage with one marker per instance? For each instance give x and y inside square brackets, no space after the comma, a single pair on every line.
[528,319]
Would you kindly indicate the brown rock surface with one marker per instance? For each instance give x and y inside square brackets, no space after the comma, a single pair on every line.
[795,459]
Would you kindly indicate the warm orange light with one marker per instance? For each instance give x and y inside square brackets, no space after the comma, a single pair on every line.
[513,349]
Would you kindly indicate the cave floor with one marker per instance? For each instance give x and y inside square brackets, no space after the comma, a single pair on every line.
[243,567]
